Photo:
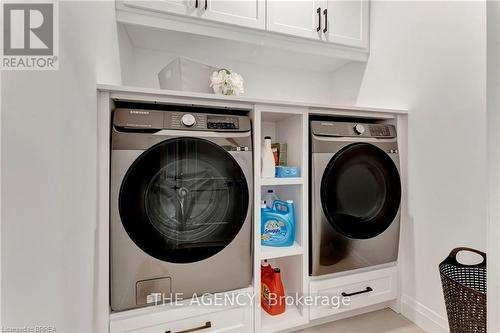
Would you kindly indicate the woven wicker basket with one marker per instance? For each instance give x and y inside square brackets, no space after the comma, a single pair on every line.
[464,288]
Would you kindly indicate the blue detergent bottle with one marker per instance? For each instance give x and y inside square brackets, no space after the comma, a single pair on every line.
[278,224]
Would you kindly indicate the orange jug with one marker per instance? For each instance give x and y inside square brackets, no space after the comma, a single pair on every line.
[272,292]
[266,270]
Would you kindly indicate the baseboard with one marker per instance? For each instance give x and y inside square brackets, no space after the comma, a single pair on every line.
[422,316]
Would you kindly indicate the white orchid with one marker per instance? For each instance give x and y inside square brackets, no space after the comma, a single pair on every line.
[226,82]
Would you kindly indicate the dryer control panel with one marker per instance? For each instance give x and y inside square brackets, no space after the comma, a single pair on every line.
[349,129]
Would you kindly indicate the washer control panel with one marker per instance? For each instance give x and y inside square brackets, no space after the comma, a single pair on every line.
[155,120]
[222,122]
[206,122]
[179,120]
[379,130]
[188,120]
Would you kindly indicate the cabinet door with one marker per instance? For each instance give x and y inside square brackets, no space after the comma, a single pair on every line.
[303,18]
[348,22]
[248,13]
[181,7]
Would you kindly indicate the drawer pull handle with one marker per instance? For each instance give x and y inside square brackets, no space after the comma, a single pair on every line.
[319,19]
[367,290]
[208,324]
[325,12]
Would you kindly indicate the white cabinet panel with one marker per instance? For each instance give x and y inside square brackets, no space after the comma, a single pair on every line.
[189,319]
[298,18]
[348,22]
[363,289]
[248,13]
[181,7]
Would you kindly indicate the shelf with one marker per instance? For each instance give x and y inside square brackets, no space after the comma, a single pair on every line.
[270,252]
[289,319]
[281,181]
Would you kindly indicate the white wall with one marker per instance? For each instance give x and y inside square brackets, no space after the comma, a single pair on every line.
[48,166]
[430,57]
[493,118]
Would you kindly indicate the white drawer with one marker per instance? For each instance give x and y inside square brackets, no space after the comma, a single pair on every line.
[187,319]
[363,289]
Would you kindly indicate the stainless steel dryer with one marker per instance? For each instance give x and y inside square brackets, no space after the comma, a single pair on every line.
[356,194]
[181,205]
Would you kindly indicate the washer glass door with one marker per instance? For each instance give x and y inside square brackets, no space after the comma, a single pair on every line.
[360,191]
[183,200]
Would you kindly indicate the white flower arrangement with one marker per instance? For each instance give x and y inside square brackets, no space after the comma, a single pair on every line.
[226,82]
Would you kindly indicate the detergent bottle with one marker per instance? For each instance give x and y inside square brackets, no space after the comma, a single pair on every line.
[272,297]
[270,197]
[266,270]
[278,224]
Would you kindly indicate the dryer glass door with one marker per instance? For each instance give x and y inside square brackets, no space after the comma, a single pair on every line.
[184,200]
[360,191]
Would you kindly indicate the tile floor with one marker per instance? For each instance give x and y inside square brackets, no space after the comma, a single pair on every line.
[383,321]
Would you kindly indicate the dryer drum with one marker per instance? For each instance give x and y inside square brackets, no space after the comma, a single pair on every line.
[183,200]
[360,191]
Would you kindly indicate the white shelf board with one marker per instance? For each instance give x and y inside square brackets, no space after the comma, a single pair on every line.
[289,319]
[282,181]
[142,94]
[270,252]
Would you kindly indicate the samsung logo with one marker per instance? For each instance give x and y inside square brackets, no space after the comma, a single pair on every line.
[138,112]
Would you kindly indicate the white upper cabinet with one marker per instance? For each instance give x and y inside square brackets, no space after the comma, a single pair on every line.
[348,22]
[247,13]
[342,22]
[331,23]
[303,18]
[181,7]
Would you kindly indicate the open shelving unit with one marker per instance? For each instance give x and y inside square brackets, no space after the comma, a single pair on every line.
[290,126]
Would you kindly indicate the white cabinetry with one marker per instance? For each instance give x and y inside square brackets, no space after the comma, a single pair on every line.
[298,18]
[343,22]
[348,22]
[180,7]
[359,290]
[247,13]
[336,22]
[184,319]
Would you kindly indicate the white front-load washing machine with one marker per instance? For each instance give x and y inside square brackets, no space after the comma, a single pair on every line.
[355,195]
[181,204]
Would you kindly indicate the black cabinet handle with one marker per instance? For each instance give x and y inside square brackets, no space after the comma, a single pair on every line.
[367,290]
[196,4]
[319,20]
[206,4]
[325,12]
[194,329]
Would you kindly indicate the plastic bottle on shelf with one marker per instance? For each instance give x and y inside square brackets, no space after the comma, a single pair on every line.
[266,269]
[270,197]
[268,163]
[278,224]
[272,293]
